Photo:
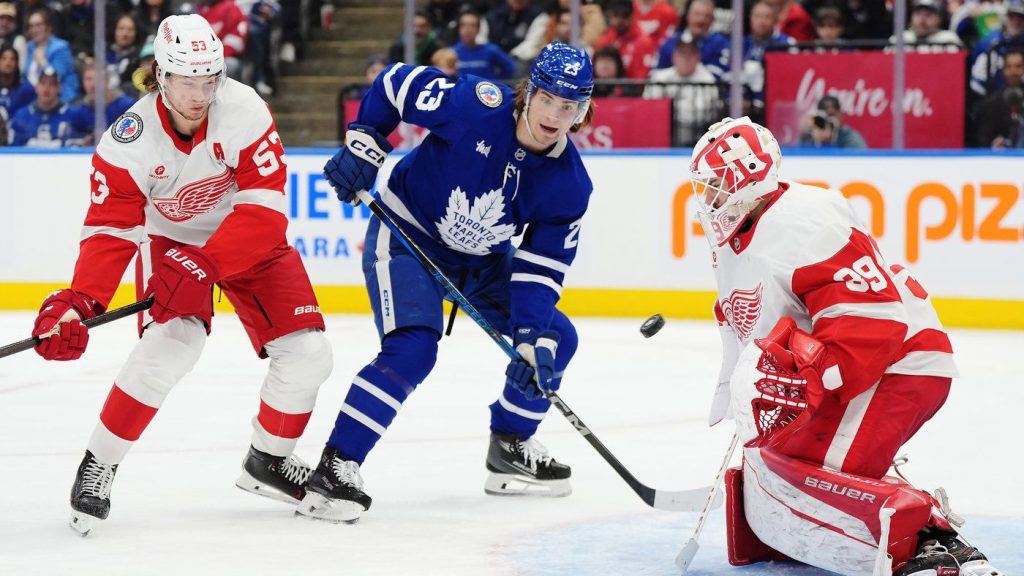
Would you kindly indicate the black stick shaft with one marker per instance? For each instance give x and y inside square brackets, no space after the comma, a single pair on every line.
[643,491]
[115,314]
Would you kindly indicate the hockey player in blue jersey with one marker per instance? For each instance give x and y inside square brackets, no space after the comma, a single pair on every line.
[496,164]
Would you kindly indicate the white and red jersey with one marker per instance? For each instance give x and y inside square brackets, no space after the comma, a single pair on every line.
[808,257]
[223,189]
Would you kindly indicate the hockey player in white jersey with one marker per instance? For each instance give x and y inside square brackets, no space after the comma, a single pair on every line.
[191,180]
[834,358]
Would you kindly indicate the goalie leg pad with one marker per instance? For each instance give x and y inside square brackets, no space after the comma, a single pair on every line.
[829,519]
[743,546]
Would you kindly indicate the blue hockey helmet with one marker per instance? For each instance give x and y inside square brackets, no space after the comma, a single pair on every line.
[564,71]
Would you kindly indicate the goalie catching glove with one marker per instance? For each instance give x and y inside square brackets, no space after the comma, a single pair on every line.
[62,336]
[780,379]
[354,167]
[534,374]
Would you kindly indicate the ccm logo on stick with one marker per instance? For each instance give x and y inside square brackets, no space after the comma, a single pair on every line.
[186,263]
[839,490]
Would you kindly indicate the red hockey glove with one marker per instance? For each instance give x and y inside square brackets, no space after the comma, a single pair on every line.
[182,285]
[798,352]
[59,327]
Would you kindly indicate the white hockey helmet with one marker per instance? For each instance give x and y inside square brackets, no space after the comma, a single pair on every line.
[733,166]
[188,46]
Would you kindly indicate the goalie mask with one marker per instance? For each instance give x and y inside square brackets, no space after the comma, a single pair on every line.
[733,166]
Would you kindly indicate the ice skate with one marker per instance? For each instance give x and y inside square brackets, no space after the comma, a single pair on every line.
[944,554]
[335,491]
[523,468]
[90,495]
[277,477]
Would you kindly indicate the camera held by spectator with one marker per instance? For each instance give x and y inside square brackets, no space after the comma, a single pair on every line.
[826,128]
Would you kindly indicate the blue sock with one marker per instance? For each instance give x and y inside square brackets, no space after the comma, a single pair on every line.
[406,358]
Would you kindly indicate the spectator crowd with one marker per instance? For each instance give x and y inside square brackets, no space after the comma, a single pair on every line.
[669,49]
[48,59]
[681,50]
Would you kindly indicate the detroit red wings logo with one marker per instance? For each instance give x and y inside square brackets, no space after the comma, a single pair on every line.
[195,199]
[742,309]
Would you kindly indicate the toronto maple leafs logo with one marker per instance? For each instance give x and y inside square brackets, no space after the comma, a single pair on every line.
[195,199]
[742,309]
[474,228]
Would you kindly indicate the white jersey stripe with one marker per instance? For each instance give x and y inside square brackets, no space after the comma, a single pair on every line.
[542,261]
[377,393]
[271,199]
[507,405]
[131,234]
[925,363]
[404,90]
[389,89]
[537,278]
[880,311]
[848,428]
[363,419]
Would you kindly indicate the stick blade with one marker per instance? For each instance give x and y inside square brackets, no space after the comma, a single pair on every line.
[686,555]
[685,500]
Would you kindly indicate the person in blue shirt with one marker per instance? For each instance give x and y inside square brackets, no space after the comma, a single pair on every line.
[714,46]
[497,163]
[82,110]
[47,122]
[47,51]
[15,93]
[483,60]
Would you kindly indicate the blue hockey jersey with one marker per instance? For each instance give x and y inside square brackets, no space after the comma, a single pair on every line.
[469,187]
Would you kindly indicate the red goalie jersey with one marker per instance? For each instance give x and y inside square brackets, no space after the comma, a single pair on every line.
[223,189]
[809,258]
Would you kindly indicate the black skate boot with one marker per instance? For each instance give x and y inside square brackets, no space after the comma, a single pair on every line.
[942,553]
[90,495]
[278,477]
[335,491]
[523,468]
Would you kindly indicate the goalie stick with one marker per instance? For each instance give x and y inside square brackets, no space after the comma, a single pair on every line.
[116,314]
[714,498]
[680,501]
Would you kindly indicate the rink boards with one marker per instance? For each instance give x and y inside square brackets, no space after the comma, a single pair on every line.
[957,220]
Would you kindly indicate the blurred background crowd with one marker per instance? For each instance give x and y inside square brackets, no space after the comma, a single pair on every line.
[310,58]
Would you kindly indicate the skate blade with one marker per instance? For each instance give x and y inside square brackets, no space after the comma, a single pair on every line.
[499,484]
[82,522]
[253,486]
[318,507]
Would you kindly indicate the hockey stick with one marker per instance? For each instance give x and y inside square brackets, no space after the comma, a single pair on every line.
[682,501]
[115,314]
[689,550]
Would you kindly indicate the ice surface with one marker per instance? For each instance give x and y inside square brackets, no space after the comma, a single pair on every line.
[176,510]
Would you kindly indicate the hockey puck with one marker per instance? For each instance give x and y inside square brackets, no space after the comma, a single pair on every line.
[652,325]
